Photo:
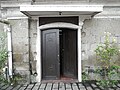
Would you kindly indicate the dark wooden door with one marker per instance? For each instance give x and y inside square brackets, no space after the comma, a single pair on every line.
[70,53]
[50,54]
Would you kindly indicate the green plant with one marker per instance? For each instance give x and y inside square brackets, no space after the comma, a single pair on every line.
[107,83]
[16,78]
[105,53]
[3,54]
[85,76]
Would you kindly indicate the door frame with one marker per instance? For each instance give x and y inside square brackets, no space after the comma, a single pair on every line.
[58,25]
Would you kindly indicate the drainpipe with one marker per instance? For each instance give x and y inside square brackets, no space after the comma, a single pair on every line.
[9,36]
[8,29]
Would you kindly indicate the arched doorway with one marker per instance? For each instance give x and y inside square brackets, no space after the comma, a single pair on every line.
[59,53]
[56,25]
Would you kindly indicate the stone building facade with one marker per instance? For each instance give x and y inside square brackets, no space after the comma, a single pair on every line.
[25,26]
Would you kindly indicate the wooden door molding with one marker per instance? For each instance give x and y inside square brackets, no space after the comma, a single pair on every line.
[59,25]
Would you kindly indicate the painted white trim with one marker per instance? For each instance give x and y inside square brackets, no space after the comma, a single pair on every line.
[60,10]
[81,19]
[52,7]
[12,18]
[9,51]
[58,25]
[101,16]
[79,55]
[38,51]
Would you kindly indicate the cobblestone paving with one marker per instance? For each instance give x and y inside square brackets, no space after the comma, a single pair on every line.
[57,86]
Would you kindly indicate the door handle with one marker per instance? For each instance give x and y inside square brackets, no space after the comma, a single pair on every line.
[58,59]
[51,67]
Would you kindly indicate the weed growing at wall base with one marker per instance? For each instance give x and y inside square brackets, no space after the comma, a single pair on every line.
[109,70]
[3,56]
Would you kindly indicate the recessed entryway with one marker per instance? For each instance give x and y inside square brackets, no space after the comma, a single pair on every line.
[81,11]
[59,54]
[58,25]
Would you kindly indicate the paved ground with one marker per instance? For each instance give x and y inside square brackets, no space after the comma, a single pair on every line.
[57,86]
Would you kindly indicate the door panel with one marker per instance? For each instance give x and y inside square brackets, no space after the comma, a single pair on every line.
[70,53]
[50,54]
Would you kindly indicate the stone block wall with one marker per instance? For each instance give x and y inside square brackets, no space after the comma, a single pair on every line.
[103,2]
[94,35]
[20,44]
[95,29]
[33,37]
